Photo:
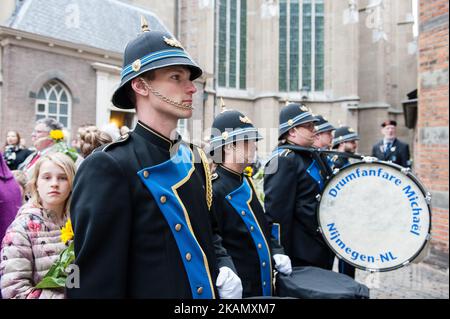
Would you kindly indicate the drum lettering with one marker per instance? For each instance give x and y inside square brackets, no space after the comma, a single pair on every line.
[408,192]
[416,210]
[340,243]
[370,259]
[414,229]
[357,173]
[350,177]
[387,257]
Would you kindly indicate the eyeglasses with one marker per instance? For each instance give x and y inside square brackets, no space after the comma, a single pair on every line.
[308,126]
[39,132]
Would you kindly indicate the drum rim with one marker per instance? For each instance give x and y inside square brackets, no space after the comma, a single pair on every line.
[414,179]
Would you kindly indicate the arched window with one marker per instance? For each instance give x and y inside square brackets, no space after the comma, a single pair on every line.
[54,100]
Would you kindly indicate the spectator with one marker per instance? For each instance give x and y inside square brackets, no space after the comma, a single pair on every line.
[91,138]
[32,242]
[42,141]
[10,197]
[21,179]
[14,152]
[390,148]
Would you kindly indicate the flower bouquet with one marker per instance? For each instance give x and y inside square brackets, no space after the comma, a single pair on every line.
[57,275]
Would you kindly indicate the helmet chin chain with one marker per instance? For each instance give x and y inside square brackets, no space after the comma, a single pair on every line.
[167,100]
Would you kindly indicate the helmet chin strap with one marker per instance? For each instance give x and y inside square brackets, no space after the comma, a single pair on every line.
[166,99]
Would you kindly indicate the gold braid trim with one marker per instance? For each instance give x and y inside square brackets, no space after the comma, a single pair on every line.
[209,192]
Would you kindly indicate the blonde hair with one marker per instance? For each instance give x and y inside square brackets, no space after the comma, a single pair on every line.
[91,138]
[61,160]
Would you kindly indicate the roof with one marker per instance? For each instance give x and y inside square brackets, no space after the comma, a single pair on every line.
[104,24]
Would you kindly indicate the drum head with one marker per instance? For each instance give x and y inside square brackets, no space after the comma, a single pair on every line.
[374,216]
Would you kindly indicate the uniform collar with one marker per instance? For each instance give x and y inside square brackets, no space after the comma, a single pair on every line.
[154,137]
[222,170]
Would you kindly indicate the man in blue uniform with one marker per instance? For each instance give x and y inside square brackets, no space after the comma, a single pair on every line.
[141,206]
[242,222]
[293,180]
[390,148]
[324,133]
[345,140]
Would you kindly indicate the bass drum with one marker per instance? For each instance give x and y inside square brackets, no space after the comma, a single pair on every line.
[376,216]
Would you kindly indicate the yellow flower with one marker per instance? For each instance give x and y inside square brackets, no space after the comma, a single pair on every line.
[248,171]
[56,135]
[67,232]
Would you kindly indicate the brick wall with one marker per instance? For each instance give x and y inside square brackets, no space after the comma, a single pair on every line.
[431,147]
[24,68]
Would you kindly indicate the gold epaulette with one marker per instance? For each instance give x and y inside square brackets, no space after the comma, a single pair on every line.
[209,192]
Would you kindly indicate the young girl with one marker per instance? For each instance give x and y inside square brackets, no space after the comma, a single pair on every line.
[32,242]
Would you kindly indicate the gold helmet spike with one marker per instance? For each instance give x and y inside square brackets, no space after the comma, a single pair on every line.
[286,102]
[144,24]
[223,108]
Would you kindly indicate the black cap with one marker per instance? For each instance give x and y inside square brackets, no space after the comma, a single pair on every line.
[344,134]
[149,51]
[323,125]
[231,126]
[388,122]
[293,115]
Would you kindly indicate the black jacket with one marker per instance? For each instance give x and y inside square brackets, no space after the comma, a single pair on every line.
[238,235]
[291,187]
[398,153]
[125,247]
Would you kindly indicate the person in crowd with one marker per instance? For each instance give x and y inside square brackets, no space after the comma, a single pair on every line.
[21,179]
[345,140]
[242,222]
[390,148]
[142,205]
[91,138]
[324,133]
[32,242]
[43,143]
[13,152]
[292,182]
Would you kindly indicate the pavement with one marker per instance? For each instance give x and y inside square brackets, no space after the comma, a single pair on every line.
[414,281]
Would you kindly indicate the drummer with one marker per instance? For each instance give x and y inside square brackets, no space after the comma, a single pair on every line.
[245,232]
[345,140]
[292,182]
[323,137]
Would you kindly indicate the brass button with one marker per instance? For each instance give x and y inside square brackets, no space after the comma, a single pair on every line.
[264,264]
[243,213]
[259,246]
[188,257]
[252,228]
[163,199]
[264,283]
[200,290]
[146,174]
[178,227]
[229,197]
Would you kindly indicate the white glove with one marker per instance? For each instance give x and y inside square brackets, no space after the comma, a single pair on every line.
[283,264]
[228,284]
